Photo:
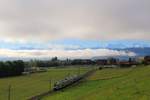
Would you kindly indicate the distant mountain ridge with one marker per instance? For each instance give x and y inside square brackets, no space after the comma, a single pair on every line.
[139,51]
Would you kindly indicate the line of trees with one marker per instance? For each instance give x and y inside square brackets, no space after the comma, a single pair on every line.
[11,68]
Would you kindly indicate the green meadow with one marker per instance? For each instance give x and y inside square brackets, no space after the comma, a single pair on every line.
[24,87]
[110,84]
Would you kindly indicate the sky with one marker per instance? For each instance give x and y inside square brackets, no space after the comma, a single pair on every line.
[73,28]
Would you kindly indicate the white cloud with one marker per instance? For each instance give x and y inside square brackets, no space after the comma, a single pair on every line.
[86,53]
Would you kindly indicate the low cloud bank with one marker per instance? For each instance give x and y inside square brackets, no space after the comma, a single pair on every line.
[86,53]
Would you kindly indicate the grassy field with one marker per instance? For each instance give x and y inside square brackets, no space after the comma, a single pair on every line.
[110,84]
[23,87]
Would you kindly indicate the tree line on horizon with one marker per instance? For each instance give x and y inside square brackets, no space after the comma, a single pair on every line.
[11,68]
[14,68]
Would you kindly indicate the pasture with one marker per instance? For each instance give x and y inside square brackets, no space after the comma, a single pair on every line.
[110,84]
[24,87]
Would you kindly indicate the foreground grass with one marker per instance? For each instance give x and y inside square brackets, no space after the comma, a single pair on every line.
[110,84]
[27,86]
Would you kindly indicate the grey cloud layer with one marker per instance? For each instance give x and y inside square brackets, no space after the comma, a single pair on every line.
[85,19]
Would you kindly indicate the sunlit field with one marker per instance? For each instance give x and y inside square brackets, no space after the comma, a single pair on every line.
[110,84]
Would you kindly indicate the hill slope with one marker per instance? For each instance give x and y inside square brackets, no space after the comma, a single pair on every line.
[110,84]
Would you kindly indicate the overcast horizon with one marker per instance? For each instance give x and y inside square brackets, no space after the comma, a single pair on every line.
[73,28]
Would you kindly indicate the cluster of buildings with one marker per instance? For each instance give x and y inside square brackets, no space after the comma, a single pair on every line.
[113,61]
[40,66]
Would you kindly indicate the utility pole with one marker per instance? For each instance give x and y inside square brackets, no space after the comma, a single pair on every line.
[50,85]
[9,90]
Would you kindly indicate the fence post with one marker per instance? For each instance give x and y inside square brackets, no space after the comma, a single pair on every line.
[9,92]
[50,84]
